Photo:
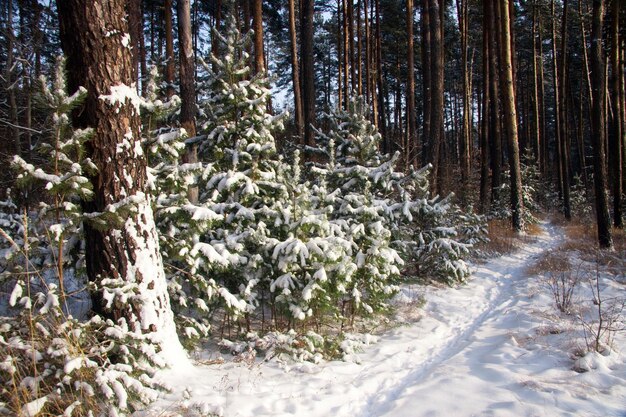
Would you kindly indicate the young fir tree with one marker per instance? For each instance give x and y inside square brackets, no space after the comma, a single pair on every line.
[179,221]
[246,188]
[363,181]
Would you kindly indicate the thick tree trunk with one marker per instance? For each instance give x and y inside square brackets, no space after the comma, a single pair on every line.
[128,252]
[598,77]
[308,73]
[295,71]
[510,118]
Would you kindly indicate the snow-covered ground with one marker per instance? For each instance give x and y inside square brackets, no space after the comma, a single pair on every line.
[493,347]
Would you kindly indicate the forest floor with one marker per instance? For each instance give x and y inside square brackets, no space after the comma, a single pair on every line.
[496,346]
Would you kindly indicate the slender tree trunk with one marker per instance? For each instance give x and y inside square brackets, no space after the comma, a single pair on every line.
[466,137]
[257,25]
[359,50]
[368,53]
[557,103]
[616,137]
[351,58]
[563,119]
[510,118]
[216,28]
[495,128]
[437,86]
[11,84]
[382,125]
[537,138]
[130,252]
[187,84]
[412,148]
[542,107]
[426,80]
[133,8]
[605,238]
[295,71]
[170,65]
[485,116]
[308,74]
[340,55]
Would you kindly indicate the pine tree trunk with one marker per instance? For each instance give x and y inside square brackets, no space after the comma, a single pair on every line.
[170,65]
[616,137]
[466,137]
[563,119]
[426,80]
[510,118]
[257,25]
[485,116]
[437,90]
[10,85]
[412,148]
[187,84]
[135,28]
[598,78]
[130,251]
[495,125]
[537,138]
[295,71]
[380,80]
[308,73]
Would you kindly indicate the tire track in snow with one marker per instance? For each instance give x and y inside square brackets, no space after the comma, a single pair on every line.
[462,328]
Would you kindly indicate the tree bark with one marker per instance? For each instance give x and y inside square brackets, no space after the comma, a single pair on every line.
[257,25]
[128,252]
[510,118]
[308,73]
[412,148]
[598,77]
[426,80]
[170,64]
[616,138]
[135,29]
[187,84]
[485,116]
[495,126]
[437,90]
[563,138]
[295,71]
[466,132]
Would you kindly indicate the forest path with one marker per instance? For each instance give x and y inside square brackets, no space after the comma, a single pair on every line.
[463,329]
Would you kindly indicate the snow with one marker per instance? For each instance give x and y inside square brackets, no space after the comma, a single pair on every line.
[481,349]
[120,93]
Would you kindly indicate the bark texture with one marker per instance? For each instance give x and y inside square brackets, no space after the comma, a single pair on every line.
[98,58]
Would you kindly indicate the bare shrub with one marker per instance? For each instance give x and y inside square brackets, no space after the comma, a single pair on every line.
[562,286]
[600,328]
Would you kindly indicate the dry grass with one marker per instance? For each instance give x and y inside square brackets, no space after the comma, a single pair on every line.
[555,261]
[504,239]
